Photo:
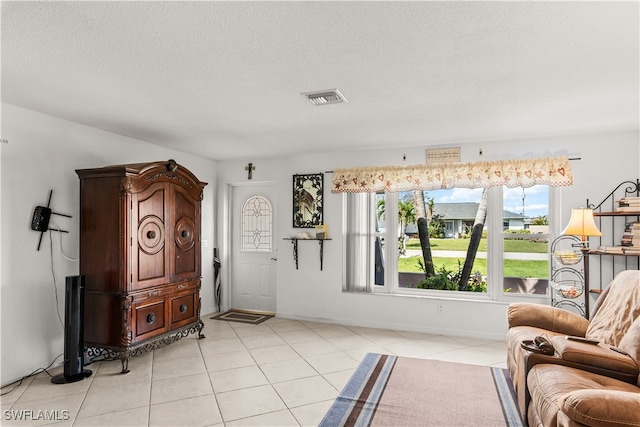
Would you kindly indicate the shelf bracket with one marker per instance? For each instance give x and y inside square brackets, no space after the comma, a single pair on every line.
[321,242]
[294,242]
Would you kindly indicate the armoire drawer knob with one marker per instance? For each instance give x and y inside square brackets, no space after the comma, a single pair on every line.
[151,234]
[183,308]
[151,317]
[185,234]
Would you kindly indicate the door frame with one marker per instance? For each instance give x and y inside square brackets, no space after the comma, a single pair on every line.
[227,232]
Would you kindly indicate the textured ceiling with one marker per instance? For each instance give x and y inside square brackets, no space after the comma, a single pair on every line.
[224,79]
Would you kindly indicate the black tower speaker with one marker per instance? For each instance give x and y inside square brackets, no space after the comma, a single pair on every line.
[73,333]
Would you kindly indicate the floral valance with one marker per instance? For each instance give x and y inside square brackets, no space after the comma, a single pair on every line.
[553,171]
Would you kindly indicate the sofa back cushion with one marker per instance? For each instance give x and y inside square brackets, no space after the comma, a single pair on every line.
[618,310]
[630,343]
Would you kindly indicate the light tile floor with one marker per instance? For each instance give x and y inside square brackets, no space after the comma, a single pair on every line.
[278,373]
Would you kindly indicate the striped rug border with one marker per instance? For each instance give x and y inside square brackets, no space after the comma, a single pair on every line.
[508,397]
[357,403]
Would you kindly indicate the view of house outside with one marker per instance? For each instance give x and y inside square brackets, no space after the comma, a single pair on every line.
[451,215]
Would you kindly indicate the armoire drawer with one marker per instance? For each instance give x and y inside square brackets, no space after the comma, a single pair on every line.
[184,308]
[149,319]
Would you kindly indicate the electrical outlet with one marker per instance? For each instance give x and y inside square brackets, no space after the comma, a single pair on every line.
[204,243]
[440,308]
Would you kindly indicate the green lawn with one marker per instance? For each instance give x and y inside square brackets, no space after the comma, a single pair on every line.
[510,245]
[512,268]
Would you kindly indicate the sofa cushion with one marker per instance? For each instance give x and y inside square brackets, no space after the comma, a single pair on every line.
[546,318]
[551,385]
[596,355]
[618,310]
[630,343]
[603,407]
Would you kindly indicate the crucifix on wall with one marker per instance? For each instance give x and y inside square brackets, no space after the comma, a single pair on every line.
[250,168]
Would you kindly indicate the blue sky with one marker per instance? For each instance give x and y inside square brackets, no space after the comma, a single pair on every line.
[536,199]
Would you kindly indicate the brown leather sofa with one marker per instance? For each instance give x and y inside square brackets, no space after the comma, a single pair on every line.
[579,383]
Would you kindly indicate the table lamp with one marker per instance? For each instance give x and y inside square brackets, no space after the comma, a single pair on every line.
[583,225]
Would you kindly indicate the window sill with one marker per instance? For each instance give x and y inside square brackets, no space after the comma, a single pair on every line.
[505,298]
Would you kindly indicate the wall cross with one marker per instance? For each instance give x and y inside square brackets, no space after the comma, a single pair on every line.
[250,168]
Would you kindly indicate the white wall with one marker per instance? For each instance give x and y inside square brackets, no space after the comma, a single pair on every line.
[42,154]
[311,294]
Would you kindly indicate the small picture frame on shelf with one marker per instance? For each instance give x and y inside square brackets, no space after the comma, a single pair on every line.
[322,231]
[308,200]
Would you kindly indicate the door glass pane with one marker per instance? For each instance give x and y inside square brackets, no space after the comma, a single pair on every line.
[257,225]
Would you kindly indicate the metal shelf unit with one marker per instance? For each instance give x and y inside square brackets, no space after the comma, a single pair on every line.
[569,289]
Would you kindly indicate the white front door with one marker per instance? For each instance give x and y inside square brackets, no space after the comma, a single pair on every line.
[253,247]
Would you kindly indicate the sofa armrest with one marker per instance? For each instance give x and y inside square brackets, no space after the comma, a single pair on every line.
[546,317]
[597,408]
[598,358]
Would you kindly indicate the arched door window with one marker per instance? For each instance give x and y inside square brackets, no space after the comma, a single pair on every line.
[257,225]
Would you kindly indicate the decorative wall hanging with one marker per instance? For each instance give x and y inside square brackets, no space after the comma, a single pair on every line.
[443,155]
[307,200]
[250,168]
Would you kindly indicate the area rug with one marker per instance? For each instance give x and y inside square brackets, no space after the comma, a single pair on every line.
[389,390]
[243,316]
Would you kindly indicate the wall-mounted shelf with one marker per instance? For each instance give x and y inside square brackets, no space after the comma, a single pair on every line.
[294,242]
[610,256]
[620,213]
[617,250]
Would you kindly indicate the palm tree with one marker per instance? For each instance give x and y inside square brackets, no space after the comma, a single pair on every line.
[474,242]
[406,216]
[380,208]
[431,203]
[423,230]
[418,200]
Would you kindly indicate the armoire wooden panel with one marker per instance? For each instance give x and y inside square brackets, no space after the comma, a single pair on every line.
[140,255]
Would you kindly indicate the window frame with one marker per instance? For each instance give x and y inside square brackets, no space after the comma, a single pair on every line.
[495,249]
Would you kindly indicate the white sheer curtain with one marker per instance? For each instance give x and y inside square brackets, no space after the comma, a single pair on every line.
[358,246]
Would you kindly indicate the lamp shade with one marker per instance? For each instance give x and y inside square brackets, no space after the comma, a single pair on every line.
[582,224]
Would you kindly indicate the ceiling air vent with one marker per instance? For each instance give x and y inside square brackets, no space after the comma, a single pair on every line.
[330,96]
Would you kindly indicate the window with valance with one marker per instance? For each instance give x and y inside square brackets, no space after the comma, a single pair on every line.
[369,258]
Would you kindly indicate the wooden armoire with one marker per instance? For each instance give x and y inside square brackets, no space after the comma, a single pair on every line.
[140,255]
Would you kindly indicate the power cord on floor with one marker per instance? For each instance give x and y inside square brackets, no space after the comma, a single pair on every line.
[18,383]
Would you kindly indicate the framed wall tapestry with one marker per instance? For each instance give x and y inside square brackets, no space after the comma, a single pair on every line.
[307,200]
